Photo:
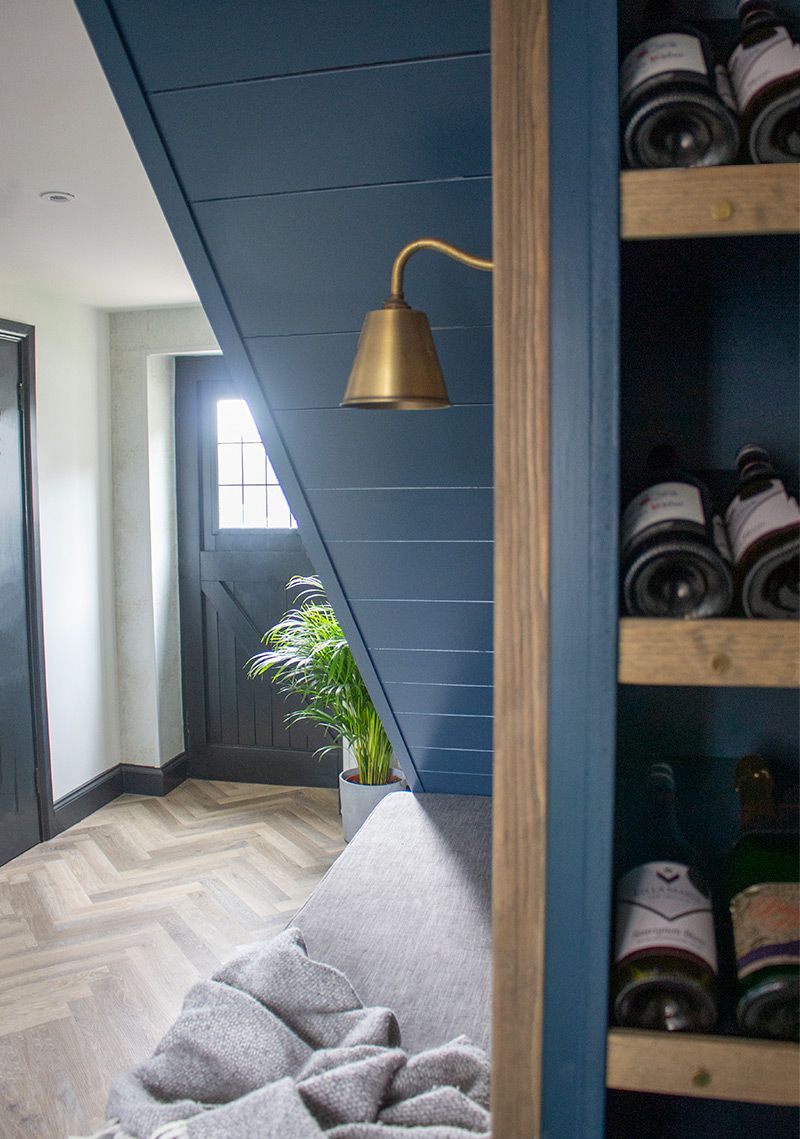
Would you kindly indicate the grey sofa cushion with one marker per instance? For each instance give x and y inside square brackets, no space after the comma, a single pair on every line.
[405,914]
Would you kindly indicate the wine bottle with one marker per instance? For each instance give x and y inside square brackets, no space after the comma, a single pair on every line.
[676,103]
[673,554]
[763,524]
[765,909]
[665,959]
[765,76]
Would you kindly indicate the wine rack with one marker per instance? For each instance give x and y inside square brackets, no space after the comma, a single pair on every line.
[711,201]
[733,653]
[726,201]
[713,1067]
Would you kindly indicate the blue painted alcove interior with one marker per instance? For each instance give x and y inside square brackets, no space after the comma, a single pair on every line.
[295,148]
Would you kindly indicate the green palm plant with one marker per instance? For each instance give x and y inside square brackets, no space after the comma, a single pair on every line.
[308,656]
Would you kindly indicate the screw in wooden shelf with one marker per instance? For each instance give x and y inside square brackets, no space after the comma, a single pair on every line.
[722,209]
[701,1078]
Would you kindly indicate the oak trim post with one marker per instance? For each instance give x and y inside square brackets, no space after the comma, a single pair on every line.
[522,465]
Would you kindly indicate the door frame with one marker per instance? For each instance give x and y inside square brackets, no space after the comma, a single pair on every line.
[195,467]
[24,337]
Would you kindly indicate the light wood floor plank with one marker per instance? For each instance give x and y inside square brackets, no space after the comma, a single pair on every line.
[103,929]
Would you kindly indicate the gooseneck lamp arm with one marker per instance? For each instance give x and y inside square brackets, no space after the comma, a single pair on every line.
[408,251]
[396,364]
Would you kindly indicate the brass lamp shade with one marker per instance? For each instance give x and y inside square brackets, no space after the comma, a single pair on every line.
[396,365]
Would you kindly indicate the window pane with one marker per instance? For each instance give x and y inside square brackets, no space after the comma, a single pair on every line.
[255,507]
[244,472]
[230,508]
[254,464]
[229,464]
[231,420]
[278,513]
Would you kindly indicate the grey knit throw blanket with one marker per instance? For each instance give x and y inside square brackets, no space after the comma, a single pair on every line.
[277,1046]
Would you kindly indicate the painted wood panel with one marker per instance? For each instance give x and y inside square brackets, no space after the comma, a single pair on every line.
[426,571]
[446,625]
[449,732]
[446,514]
[312,371]
[288,257]
[349,448]
[436,761]
[444,699]
[305,263]
[724,386]
[434,666]
[185,44]
[457,783]
[231,141]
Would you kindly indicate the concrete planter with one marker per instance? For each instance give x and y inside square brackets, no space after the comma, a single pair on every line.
[358,801]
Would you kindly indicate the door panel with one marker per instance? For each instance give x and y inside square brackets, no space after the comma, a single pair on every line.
[19,802]
[233,588]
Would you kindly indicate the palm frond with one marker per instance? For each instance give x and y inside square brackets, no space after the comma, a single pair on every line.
[307,656]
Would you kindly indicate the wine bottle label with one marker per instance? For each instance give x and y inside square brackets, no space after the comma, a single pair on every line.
[664,905]
[721,539]
[664,502]
[658,54]
[765,926]
[724,88]
[751,518]
[753,68]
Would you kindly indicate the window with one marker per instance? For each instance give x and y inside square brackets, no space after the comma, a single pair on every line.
[249,494]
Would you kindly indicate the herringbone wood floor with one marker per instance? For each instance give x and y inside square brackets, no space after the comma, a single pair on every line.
[103,929]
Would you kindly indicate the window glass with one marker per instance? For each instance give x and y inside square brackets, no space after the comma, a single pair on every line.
[249,495]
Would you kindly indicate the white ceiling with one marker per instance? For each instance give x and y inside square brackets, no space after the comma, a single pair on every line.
[60,129]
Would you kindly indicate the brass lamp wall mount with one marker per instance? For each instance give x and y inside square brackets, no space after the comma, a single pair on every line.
[396,365]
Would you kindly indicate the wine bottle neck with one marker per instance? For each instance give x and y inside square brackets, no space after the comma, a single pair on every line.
[665,838]
[755,788]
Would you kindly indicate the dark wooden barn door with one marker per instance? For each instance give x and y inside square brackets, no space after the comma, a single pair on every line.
[24,764]
[233,588]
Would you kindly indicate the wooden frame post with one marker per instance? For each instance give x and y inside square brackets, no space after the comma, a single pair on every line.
[522,466]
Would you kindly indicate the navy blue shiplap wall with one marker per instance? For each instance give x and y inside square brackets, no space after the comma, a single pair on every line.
[296,147]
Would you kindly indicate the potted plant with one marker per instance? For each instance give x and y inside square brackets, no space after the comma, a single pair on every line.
[307,656]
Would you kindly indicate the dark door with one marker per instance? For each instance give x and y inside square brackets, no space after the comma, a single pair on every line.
[238,547]
[22,739]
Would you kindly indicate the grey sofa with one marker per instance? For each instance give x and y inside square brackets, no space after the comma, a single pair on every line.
[405,914]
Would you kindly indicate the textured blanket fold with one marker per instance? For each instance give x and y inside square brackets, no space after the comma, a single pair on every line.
[276,1044]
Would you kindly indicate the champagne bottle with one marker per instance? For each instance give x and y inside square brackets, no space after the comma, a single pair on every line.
[676,102]
[763,525]
[765,76]
[765,909]
[673,557]
[665,960]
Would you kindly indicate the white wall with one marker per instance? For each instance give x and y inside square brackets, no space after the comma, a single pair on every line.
[145,543]
[106,475]
[74,476]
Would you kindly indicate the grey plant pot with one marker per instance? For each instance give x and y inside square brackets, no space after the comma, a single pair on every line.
[359,802]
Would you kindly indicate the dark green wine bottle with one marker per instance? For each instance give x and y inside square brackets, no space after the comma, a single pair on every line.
[765,908]
[665,961]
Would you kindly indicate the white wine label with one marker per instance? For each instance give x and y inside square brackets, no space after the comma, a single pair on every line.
[663,905]
[724,88]
[753,68]
[766,919]
[721,539]
[678,52]
[664,502]
[751,518]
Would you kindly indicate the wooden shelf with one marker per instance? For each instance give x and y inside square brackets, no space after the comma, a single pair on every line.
[710,1067]
[710,201]
[718,652]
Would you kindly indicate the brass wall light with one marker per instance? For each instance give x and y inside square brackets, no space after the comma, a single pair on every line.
[396,365]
